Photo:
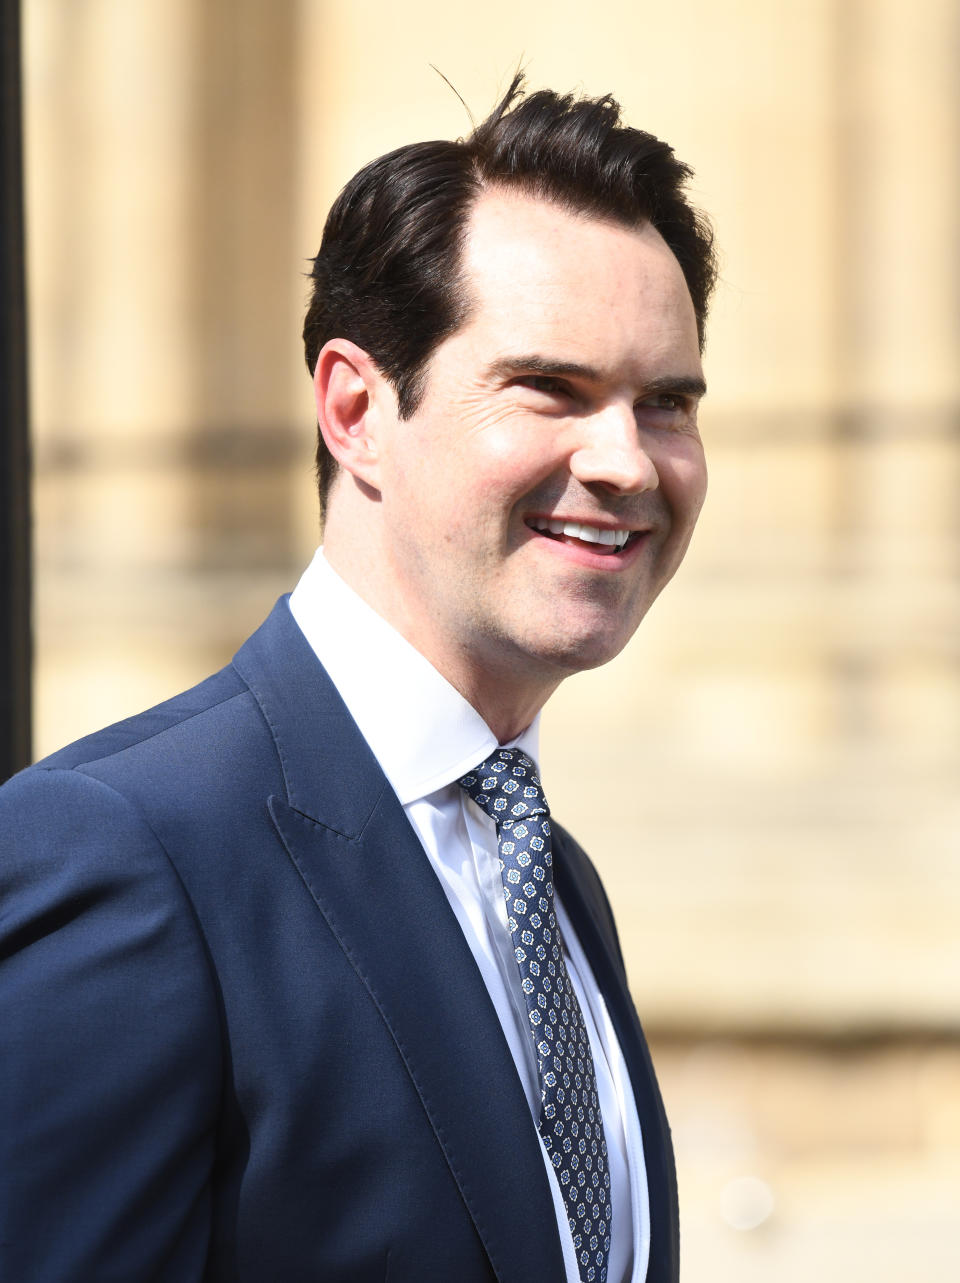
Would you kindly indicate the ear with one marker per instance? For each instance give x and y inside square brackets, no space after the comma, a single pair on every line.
[349,391]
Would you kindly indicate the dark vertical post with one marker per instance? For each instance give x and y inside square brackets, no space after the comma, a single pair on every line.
[15,631]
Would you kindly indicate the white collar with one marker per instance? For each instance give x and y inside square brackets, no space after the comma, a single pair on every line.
[421,730]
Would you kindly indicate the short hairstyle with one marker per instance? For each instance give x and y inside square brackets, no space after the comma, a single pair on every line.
[388,273]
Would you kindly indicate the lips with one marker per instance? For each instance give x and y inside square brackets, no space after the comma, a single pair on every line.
[598,539]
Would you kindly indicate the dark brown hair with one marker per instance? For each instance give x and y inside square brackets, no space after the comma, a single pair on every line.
[387,276]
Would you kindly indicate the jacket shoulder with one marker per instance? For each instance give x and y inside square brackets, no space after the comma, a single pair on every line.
[105,743]
[111,1028]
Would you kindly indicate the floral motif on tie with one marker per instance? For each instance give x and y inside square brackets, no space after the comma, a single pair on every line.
[507,788]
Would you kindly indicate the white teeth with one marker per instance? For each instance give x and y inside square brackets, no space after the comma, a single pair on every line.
[589,534]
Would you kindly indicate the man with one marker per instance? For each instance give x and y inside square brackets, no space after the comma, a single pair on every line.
[289,993]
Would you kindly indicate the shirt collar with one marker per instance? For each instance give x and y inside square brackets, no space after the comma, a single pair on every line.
[421,730]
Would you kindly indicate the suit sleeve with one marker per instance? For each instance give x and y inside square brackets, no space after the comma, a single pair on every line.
[110,1054]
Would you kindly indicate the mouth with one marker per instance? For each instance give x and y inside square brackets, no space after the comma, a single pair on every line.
[607,541]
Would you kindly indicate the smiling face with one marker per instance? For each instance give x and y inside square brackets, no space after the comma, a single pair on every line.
[545,490]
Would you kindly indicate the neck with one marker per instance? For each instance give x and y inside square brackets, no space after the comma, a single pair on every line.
[505,696]
[507,707]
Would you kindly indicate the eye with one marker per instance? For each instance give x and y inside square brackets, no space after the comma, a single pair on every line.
[545,383]
[668,409]
[670,401]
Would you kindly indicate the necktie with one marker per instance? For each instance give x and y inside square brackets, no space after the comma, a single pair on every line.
[506,787]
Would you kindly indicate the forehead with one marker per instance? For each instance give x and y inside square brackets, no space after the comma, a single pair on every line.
[573,280]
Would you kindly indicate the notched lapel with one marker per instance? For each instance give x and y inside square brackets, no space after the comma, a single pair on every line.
[387,909]
[346,833]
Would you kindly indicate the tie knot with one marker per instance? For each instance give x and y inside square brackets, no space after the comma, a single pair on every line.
[506,786]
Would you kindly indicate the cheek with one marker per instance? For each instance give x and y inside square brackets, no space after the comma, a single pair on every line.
[522,458]
[683,479]
[458,481]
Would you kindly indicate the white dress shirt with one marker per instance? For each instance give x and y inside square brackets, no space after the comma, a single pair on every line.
[425,735]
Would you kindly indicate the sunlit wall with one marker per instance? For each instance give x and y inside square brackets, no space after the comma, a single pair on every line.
[767,777]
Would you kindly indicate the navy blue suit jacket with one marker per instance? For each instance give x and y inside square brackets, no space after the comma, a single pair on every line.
[243,1037]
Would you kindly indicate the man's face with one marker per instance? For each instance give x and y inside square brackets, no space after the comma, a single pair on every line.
[548,485]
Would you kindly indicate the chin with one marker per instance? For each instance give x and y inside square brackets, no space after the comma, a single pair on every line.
[578,653]
[595,656]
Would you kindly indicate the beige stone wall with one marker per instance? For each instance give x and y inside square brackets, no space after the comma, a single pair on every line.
[767,776]
[797,1161]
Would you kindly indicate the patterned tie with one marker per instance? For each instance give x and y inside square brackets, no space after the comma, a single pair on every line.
[507,788]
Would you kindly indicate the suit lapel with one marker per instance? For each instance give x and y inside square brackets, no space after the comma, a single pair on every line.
[347,834]
[580,892]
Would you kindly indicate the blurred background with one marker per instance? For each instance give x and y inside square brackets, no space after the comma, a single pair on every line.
[767,777]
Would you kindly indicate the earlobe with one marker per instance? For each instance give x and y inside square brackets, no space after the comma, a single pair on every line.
[346,385]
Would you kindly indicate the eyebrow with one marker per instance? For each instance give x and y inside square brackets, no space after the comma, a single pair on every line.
[684,384]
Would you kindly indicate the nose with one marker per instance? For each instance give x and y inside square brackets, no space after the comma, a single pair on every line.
[611,453]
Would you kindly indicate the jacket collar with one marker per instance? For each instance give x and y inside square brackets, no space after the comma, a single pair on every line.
[315,736]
